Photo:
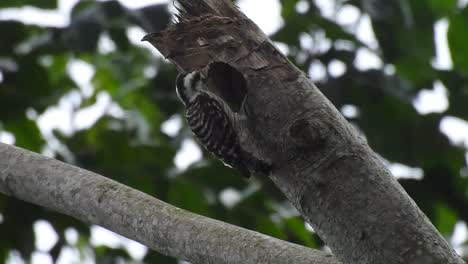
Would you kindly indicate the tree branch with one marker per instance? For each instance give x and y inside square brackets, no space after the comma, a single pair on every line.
[321,164]
[169,230]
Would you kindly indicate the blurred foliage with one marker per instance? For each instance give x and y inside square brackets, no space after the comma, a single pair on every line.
[127,143]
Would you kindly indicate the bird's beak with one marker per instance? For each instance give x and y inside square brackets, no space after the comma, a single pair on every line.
[146,38]
[150,36]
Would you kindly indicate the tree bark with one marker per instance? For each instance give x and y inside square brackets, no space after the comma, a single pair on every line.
[167,229]
[321,164]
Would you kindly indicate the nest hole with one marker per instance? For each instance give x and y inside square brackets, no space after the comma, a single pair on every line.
[228,83]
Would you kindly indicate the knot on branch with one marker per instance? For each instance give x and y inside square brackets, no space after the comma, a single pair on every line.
[308,134]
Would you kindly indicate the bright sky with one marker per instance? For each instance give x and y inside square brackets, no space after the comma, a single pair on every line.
[432,99]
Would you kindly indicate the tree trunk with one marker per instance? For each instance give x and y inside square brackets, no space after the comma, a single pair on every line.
[325,169]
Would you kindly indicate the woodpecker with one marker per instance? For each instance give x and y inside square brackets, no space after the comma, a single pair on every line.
[215,125]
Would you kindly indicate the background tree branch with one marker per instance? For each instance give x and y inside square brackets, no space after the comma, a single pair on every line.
[98,200]
[327,171]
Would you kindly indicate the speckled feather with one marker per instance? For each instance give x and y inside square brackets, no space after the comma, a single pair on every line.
[213,124]
[213,127]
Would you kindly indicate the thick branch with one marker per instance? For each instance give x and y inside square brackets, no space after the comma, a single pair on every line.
[172,231]
[321,164]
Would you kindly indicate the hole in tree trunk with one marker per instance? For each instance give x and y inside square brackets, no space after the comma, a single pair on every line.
[228,83]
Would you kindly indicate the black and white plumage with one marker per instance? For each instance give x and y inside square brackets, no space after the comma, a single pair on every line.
[215,125]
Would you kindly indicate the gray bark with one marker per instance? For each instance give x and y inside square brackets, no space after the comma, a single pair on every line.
[321,164]
[167,229]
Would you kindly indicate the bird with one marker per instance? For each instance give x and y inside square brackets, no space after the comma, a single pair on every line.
[215,125]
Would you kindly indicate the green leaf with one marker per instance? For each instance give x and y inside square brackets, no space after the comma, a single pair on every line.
[445,219]
[404,29]
[106,254]
[17,227]
[48,4]
[414,69]
[458,40]
[112,149]
[155,257]
[296,226]
[266,226]
[254,204]
[443,7]
[288,8]
[215,176]
[12,33]
[3,253]
[455,82]
[29,86]
[188,196]
[26,133]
